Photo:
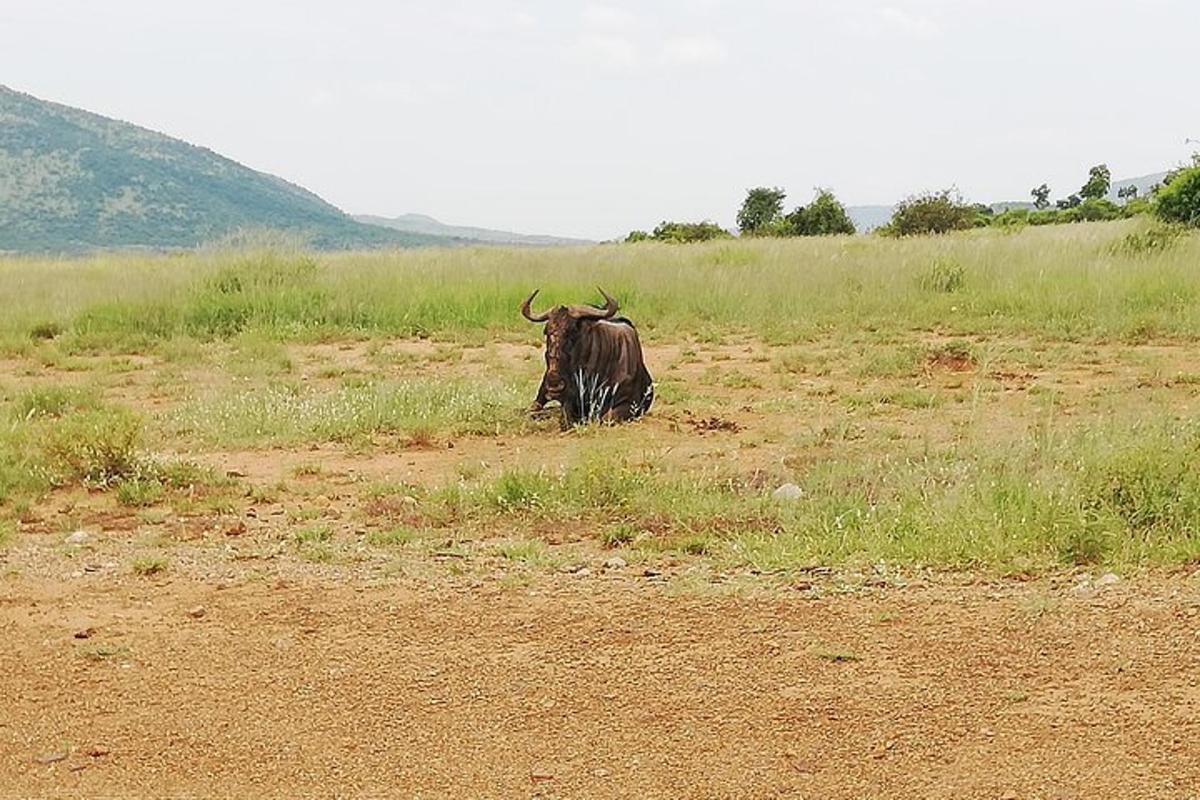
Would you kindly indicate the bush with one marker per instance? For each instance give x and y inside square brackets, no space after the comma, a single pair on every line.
[684,232]
[98,446]
[637,236]
[1179,200]
[824,216]
[936,212]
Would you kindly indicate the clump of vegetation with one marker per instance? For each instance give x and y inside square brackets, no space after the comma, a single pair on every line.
[944,276]
[97,446]
[762,214]
[139,492]
[1178,201]
[681,233]
[149,565]
[1154,239]
[55,401]
[935,212]
[46,330]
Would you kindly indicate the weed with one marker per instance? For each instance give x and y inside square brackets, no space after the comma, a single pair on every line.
[392,537]
[138,492]
[149,565]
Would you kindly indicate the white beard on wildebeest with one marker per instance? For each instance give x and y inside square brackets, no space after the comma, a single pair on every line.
[594,364]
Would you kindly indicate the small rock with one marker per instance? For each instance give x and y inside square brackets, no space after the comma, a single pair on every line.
[1107,579]
[196,612]
[540,775]
[616,562]
[788,491]
[84,633]
[237,528]
[50,758]
[651,572]
[78,538]
[1009,795]
[235,473]
[600,772]
[583,572]
[77,573]
[98,751]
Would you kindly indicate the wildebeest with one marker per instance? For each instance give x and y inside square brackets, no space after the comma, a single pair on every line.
[594,365]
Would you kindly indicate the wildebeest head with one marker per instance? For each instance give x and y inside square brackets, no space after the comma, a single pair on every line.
[563,324]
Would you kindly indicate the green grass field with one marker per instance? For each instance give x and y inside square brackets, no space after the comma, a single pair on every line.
[1072,282]
[1012,402]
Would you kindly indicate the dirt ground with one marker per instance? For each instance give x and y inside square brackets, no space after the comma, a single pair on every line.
[244,670]
[599,688]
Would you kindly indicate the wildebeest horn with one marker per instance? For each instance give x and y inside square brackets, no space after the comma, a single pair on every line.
[530,316]
[587,312]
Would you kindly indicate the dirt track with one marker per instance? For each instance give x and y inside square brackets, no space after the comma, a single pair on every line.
[598,687]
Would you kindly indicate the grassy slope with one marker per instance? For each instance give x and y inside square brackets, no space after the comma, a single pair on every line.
[71,180]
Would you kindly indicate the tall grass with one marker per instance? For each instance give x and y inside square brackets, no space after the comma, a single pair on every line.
[1065,281]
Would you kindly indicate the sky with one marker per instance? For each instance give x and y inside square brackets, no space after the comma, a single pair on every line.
[591,119]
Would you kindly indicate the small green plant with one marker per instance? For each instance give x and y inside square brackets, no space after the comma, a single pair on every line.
[103,652]
[392,537]
[149,565]
[618,535]
[313,534]
[530,552]
[836,655]
[139,492]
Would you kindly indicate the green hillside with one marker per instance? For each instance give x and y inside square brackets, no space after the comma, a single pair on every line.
[71,180]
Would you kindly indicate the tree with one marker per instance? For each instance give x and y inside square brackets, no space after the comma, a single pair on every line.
[1129,192]
[1070,202]
[934,212]
[1098,183]
[1179,200]
[761,207]
[1041,197]
[824,216]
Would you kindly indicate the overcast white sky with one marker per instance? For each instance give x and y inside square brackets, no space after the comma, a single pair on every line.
[593,118]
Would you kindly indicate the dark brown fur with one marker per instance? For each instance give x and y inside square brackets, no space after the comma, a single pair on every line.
[594,365]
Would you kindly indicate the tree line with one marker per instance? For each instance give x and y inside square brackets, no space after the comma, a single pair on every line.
[1175,200]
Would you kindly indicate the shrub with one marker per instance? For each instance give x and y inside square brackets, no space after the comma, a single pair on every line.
[1179,200]
[935,212]
[98,446]
[684,232]
[824,216]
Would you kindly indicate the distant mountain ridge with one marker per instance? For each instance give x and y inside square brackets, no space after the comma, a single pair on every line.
[423,224]
[71,180]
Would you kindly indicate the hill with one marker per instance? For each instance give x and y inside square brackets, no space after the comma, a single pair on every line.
[71,180]
[422,224]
